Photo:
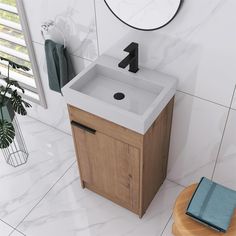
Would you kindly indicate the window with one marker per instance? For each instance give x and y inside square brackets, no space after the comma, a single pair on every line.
[16,44]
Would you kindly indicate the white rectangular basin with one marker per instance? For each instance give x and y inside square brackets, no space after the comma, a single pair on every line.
[127,99]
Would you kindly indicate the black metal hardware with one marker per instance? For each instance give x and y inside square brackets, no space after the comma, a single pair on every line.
[151,29]
[131,59]
[119,96]
[76,124]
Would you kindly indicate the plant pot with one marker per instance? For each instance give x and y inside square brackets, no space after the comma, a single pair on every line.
[16,154]
[8,112]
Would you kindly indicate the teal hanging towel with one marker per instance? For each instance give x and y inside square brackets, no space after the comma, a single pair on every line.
[213,205]
[60,70]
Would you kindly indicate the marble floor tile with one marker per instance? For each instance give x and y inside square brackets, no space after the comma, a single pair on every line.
[226,164]
[5,229]
[69,210]
[51,153]
[168,229]
[16,233]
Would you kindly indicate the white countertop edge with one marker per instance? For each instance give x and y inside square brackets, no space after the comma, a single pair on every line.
[132,121]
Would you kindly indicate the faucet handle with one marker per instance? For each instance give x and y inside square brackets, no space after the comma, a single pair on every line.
[131,47]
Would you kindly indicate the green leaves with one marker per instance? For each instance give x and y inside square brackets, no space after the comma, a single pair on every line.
[14,65]
[7,134]
[2,88]
[10,91]
[19,104]
[14,83]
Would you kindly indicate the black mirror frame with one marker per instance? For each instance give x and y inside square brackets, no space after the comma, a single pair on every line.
[180,5]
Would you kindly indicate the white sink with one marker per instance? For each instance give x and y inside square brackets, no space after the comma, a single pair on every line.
[143,94]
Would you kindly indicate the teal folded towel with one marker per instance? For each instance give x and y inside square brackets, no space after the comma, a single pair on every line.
[213,205]
[60,70]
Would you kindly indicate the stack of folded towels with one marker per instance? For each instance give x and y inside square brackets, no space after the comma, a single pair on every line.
[213,205]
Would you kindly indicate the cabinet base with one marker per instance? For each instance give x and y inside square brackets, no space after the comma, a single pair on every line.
[111,198]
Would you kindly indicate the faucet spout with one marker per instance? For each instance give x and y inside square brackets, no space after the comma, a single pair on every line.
[126,61]
[131,59]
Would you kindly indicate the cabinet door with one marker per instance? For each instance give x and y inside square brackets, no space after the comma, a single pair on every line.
[109,166]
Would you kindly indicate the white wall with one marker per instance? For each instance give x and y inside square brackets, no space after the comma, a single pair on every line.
[76,18]
[198,47]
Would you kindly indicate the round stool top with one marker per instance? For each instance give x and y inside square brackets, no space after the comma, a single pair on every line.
[185,226]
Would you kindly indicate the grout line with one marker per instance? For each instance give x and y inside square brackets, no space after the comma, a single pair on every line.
[51,126]
[203,99]
[7,223]
[96,24]
[221,141]
[172,181]
[176,90]
[4,222]
[16,230]
[43,197]
[166,225]
[83,58]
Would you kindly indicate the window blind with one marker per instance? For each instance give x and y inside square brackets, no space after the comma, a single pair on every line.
[16,45]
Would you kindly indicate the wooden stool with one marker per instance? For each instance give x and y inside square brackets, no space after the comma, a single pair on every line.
[185,226]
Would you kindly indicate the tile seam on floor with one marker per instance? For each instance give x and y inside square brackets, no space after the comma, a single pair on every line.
[13,228]
[166,224]
[64,132]
[55,183]
[16,230]
[223,134]
[172,181]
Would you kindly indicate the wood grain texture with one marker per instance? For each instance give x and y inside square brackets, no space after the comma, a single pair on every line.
[110,166]
[185,226]
[119,164]
[105,126]
[155,155]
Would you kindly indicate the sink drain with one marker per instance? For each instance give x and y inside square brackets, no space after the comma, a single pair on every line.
[119,96]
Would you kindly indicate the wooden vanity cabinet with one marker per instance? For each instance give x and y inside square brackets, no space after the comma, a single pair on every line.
[120,164]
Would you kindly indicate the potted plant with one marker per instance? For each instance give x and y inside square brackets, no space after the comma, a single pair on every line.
[10,102]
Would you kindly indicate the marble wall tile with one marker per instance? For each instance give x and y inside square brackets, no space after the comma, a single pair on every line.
[109,29]
[51,153]
[197,47]
[225,168]
[144,14]
[75,18]
[196,134]
[56,114]
[70,210]
[233,105]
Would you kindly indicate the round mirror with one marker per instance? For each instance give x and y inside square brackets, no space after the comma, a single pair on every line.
[144,14]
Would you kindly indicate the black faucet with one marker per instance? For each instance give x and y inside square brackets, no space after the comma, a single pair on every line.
[131,59]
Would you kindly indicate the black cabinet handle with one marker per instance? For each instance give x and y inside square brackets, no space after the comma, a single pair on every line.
[76,124]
